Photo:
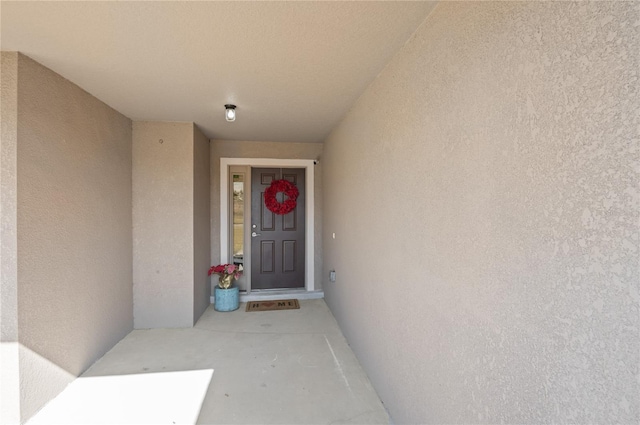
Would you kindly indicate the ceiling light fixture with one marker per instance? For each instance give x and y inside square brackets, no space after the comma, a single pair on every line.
[230,112]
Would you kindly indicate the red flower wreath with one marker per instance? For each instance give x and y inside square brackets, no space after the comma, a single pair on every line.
[272,203]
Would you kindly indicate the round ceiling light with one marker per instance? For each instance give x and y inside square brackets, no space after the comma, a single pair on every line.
[230,112]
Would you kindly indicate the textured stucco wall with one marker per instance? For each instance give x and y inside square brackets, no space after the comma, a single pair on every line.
[484,194]
[163,243]
[201,224]
[9,365]
[279,150]
[73,231]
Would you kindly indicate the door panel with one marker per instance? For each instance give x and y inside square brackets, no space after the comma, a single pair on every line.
[277,250]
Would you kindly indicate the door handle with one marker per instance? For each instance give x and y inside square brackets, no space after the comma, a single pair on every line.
[254,234]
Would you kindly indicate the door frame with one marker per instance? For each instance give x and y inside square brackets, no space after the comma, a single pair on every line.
[308,165]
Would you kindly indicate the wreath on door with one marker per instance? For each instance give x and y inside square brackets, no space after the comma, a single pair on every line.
[287,205]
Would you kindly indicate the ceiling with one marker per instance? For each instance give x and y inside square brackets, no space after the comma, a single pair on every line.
[292,68]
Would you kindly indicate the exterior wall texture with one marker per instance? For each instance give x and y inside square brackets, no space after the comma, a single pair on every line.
[484,195]
[163,224]
[170,224]
[9,348]
[201,224]
[240,149]
[74,267]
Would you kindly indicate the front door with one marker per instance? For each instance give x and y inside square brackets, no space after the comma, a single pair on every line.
[277,241]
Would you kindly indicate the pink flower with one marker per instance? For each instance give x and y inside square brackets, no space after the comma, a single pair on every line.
[226,269]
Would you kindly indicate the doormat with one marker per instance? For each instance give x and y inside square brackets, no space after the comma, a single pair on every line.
[272,305]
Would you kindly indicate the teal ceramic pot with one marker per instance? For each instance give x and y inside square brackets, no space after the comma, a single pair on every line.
[226,299]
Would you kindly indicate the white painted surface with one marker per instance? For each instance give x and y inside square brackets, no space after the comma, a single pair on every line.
[73,231]
[309,234]
[292,68]
[485,193]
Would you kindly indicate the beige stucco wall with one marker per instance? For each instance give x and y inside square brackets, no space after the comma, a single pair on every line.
[201,224]
[9,351]
[163,224]
[484,195]
[74,267]
[170,224]
[245,149]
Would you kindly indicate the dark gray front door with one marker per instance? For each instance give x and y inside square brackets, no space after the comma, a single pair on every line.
[277,242]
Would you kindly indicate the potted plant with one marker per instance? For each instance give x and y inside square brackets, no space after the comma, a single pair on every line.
[226,296]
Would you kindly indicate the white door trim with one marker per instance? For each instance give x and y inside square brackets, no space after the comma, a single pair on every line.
[308,165]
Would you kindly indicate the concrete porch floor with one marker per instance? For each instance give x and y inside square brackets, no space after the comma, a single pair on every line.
[286,367]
